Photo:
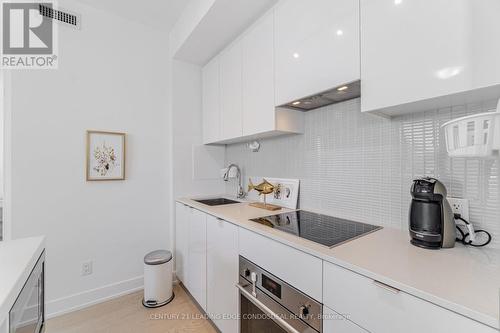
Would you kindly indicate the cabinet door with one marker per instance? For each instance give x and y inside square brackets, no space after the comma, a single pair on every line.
[181,240]
[317,46]
[381,308]
[283,260]
[258,77]
[222,273]
[231,91]
[211,101]
[197,257]
[415,50]
[335,323]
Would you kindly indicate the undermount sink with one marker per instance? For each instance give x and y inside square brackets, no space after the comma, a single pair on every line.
[217,201]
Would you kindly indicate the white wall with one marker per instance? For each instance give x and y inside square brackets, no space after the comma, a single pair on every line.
[3,327]
[1,134]
[187,132]
[186,113]
[3,234]
[191,16]
[113,75]
[7,156]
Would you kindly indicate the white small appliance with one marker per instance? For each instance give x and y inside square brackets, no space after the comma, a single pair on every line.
[477,135]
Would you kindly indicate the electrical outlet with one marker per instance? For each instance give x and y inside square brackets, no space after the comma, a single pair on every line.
[460,206]
[87,268]
[278,192]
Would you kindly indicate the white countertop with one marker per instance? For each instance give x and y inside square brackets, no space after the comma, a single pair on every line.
[17,259]
[465,280]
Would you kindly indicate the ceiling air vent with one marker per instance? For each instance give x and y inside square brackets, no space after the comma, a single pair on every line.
[63,16]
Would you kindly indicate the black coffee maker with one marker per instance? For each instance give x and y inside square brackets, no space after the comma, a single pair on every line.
[432,224]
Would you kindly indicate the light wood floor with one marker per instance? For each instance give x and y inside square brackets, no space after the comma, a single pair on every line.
[127,315]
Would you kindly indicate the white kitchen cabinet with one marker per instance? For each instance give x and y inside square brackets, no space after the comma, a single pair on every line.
[222,273]
[211,102]
[258,77]
[381,308]
[336,323]
[231,92]
[239,90]
[283,261]
[316,45]
[197,257]
[423,54]
[182,214]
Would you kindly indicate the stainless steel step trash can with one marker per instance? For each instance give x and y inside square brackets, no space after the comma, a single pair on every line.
[158,279]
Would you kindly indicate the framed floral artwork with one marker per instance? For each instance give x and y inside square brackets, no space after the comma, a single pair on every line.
[105,155]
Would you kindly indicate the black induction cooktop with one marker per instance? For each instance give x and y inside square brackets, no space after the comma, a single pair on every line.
[323,229]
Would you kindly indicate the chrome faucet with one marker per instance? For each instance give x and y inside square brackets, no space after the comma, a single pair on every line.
[241,194]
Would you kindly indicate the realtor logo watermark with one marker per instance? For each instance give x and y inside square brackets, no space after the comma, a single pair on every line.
[28,38]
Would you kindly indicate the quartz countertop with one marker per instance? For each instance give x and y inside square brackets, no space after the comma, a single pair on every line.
[463,279]
[17,259]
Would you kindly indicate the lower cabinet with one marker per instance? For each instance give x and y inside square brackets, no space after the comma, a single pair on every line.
[206,261]
[299,269]
[196,280]
[380,308]
[336,323]
[222,274]
[182,213]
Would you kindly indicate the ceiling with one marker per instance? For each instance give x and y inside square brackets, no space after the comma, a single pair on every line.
[221,24]
[156,13]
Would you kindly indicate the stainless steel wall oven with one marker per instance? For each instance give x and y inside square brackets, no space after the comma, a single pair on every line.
[270,305]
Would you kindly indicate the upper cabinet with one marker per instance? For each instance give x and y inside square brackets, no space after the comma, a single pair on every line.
[231,91]
[316,45]
[297,49]
[239,90]
[410,55]
[211,101]
[421,54]
[258,78]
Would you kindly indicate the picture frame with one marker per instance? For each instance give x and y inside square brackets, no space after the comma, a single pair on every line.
[105,155]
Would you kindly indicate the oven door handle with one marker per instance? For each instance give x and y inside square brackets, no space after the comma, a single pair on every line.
[286,326]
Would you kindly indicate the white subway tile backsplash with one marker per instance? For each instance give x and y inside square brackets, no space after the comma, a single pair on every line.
[360,166]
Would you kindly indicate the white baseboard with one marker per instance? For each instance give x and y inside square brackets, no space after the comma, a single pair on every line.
[91,297]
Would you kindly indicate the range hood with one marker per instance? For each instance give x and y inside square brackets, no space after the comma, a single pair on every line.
[336,95]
